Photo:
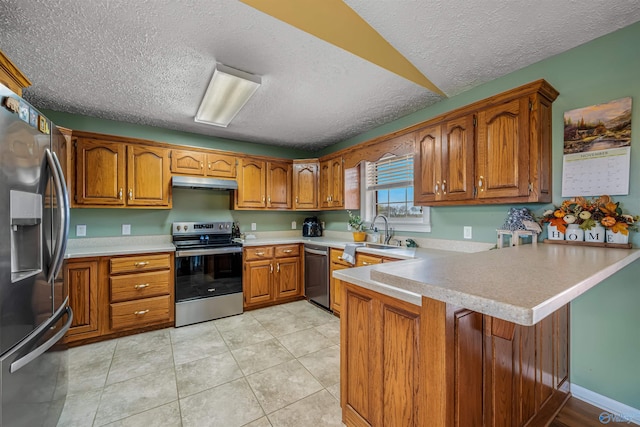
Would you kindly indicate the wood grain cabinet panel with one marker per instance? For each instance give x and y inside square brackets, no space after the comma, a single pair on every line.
[139,263]
[140,285]
[272,275]
[221,165]
[134,314]
[116,174]
[380,360]
[305,185]
[188,162]
[100,172]
[252,184]
[279,185]
[148,176]
[81,278]
[332,183]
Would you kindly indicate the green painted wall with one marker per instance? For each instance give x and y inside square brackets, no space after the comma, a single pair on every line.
[605,341]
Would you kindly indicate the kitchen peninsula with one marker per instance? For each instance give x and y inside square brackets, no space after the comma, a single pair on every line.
[469,339]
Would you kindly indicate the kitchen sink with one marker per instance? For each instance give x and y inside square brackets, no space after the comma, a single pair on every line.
[380,246]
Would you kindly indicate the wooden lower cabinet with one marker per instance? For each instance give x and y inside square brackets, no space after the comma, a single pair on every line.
[120,295]
[335,286]
[272,275]
[441,365]
[81,277]
[380,373]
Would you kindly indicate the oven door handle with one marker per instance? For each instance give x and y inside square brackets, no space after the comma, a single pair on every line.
[208,251]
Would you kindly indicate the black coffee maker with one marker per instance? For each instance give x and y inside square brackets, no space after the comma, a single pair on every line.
[311,227]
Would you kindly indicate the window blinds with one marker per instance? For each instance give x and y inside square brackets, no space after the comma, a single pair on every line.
[390,172]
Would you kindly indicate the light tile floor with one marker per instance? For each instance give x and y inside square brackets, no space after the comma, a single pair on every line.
[277,366]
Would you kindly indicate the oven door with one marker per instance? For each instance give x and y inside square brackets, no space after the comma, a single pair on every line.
[205,273]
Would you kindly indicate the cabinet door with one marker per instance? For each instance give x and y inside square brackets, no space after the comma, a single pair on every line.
[187,162]
[337,183]
[257,281]
[251,184]
[305,186]
[279,185]
[221,165]
[148,176]
[325,184]
[288,277]
[503,151]
[457,159]
[100,169]
[426,169]
[82,282]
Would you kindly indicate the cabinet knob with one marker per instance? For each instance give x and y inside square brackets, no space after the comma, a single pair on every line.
[141,286]
[141,263]
[130,194]
[120,194]
[141,312]
[260,253]
[278,267]
[271,268]
[269,199]
[287,251]
[437,188]
[201,165]
[263,199]
[481,183]
[366,263]
[209,165]
[444,186]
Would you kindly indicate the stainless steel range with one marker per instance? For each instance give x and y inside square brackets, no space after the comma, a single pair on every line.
[208,272]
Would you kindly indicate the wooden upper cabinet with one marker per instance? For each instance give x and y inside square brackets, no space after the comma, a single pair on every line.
[148,176]
[199,163]
[187,162]
[305,185]
[11,76]
[279,182]
[252,179]
[100,172]
[116,174]
[221,165]
[503,150]
[332,183]
[504,158]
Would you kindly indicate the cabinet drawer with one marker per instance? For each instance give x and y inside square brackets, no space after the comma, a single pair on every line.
[336,257]
[140,263]
[362,260]
[287,250]
[141,285]
[258,252]
[136,314]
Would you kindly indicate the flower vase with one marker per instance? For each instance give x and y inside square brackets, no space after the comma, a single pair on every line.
[617,238]
[574,233]
[595,234]
[553,233]
[359,236]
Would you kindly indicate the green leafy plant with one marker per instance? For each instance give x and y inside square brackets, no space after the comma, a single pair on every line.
[356,222]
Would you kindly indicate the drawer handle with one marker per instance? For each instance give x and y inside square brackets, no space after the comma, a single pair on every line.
[130,194]
[141,263]
[141,286]
[271,268]
[366,263]
[141,312]
[287,251]
[278,268]
[120,194]
[260,253]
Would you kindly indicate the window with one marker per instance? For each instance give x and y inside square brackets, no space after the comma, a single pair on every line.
[389,192]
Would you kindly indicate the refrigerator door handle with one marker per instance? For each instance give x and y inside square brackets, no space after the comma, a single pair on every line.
[32,355]
[63,207]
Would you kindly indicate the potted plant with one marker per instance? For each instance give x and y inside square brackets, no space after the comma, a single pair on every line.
[357,227]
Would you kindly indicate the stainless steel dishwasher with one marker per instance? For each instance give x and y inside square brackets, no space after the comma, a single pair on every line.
[316,274]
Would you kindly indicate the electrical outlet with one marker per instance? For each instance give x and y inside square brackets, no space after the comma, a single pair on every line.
[348,227]
[253,226]
[126,229]
[81,230]
[467,232]
[293,225]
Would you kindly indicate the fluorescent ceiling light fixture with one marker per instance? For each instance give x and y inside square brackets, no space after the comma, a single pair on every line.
[227,93]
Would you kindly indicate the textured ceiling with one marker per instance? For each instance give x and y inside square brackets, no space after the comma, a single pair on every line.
[149,62]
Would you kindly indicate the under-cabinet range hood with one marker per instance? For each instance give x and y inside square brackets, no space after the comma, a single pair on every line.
[204,183]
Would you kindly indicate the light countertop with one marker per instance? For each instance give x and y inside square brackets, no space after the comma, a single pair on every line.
[521,284]
[109,246]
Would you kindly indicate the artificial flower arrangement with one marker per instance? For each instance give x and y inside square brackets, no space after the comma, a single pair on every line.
[590,213]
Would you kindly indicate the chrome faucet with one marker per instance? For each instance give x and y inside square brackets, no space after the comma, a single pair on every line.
[387,235]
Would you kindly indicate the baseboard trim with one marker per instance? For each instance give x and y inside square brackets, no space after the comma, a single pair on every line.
[624,412]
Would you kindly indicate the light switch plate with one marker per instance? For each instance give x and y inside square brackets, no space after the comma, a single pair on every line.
[467,232]
[253,226]
[81,230]
[126,229]
[293,225]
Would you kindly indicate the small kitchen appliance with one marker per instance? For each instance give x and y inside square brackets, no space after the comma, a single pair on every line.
[311,227]
[208,273]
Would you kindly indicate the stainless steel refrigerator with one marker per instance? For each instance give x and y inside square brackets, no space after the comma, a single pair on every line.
[34,225]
